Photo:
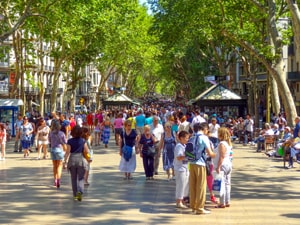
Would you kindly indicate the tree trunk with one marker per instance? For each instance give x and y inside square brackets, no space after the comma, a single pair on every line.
[275,97]
[293,7]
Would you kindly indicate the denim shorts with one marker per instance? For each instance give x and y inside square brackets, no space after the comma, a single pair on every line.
[57,154]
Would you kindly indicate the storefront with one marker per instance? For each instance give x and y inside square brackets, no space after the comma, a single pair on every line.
[9,109]
[221,101]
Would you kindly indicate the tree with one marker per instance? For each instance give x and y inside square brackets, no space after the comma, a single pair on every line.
[249,25]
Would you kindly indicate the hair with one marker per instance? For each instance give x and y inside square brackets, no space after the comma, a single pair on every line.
[127,122]
[85,133]
[147,127]
[267,125]
[183,118]
[55,125]
[224,135]
[183,134]
[2,127]
[200,126]
[76,132]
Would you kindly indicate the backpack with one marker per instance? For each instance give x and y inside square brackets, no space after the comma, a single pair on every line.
[191,148]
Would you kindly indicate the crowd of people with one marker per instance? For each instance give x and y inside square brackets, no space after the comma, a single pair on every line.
[157,135]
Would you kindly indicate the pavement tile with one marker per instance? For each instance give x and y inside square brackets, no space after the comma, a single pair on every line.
[263,192]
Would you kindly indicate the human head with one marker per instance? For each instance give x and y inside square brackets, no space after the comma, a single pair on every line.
[76,132]
[155,120]
[85,133]
[201,127]
[25,119]
[213,120]
[147,129]
[183,136]
[297,119]
[168,125]
[55,125]
[127,124]
[287,129]
[224,135]
[267,126]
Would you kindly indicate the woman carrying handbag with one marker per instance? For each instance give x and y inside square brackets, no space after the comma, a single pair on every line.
[128,140]
[146,146]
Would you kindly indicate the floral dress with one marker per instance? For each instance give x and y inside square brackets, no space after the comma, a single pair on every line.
[168,152]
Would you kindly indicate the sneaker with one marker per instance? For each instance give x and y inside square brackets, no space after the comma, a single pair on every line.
[290,167]
[79,196]
[202,211]
[181,206]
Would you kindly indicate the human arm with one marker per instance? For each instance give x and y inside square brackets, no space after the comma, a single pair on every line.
[222,153]
[67,155]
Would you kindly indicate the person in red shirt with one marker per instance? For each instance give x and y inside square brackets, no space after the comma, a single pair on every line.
[72,121]
[90,121]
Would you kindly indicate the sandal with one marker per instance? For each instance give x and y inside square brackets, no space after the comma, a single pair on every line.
[220,206]
[214,199]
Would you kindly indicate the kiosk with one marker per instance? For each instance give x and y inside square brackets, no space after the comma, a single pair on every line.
[9,109]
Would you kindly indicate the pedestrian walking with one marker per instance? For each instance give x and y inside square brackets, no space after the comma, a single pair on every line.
[128,138]
[25,133]
[167,144]
[57,140]
[2,141]
[75,161]
[146,141]
[42,138]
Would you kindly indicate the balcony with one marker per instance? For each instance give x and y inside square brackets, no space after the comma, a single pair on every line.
[293,76]
[31,90]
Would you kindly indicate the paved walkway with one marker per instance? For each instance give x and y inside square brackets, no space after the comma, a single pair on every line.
[263,192]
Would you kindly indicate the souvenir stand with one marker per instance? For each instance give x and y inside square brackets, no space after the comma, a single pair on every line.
[9,109]
[221,101]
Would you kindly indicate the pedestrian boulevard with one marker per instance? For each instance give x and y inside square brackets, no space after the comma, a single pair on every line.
[263,192]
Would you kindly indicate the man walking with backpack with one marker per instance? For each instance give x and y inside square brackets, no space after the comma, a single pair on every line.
[198,169]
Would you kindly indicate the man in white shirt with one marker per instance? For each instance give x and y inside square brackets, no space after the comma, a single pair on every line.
[213,128]
[248,129]
[197,119]
[157,130]
[18,124]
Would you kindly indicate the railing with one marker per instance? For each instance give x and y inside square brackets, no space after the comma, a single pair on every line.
[31,90]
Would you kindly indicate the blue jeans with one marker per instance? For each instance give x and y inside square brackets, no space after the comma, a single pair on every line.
[294,152]
[247,133]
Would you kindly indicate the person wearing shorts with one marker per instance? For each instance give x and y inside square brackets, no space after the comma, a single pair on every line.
[57,139]
[118,125]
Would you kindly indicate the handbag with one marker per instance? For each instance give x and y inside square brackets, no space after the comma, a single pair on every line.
[207,166]
[151,151]
[217,184]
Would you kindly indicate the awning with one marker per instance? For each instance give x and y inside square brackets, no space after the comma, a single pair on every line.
[11,102]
